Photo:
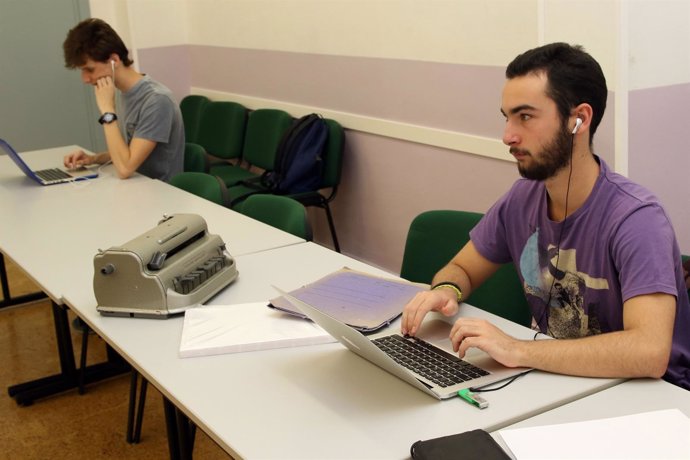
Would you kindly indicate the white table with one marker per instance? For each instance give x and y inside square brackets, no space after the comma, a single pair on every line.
[311,402]
[53,232]
[628,398]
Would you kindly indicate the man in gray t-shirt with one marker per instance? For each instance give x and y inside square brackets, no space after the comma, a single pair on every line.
[596,253]
[152,121]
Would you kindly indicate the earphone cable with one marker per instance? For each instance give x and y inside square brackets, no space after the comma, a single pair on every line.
[558,247]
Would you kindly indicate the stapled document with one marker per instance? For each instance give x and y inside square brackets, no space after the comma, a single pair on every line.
[360,300]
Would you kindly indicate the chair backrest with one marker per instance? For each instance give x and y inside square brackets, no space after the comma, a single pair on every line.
[265,128]
[203,185]
[192,107]
[222,129]
[279,211]
[333,154]
[195,159]
[435,237]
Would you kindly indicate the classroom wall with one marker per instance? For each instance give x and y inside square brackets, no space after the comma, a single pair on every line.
[417,85]
[659,97]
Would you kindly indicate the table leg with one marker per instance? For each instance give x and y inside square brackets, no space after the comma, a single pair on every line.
[7,299]
[26,393]
[181,432]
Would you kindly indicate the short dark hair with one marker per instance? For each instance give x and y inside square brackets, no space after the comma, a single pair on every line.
[93,39]
[573,77]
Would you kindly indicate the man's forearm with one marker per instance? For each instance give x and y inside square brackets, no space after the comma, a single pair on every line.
[614,354]
[455,274]
[119,150]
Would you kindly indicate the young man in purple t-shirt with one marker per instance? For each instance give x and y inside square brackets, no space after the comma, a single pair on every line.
[596,253]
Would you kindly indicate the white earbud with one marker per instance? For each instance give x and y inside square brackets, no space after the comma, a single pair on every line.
[578,122]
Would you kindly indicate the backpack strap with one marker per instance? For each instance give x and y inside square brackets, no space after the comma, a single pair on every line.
[224,194]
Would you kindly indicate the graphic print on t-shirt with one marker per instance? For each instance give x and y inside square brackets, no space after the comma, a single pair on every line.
[568,316]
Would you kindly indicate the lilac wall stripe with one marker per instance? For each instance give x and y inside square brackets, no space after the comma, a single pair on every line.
[170,65]
[456,97]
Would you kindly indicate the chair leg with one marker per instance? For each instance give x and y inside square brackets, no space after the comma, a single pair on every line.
[331,224]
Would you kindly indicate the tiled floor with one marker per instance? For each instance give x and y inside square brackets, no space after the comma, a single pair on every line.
[69,425]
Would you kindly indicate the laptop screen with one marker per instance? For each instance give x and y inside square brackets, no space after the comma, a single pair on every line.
[7,148]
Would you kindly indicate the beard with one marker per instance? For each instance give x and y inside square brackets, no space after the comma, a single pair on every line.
[553,157]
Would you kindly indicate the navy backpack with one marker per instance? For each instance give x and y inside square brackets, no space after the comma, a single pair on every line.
[299,158]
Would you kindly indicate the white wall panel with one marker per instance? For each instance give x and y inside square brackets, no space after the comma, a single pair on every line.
[590,23]
[659,43]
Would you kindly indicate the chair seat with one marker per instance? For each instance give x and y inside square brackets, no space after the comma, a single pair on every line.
[238,192]
[231,174]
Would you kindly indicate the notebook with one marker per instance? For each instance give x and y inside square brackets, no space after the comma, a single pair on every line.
[363,301]
[477,369]
[48,176]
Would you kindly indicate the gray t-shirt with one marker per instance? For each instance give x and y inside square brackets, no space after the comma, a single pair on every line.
[618,245]
[151,113]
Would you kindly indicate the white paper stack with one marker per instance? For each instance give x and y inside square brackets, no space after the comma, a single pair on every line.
[218,329]
[663,434]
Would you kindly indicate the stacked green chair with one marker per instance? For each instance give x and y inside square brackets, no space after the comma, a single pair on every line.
[203,185]
[279,211]
[195,159]
[435,237]
[192,106]
[333,159]
[264,129]
[221,130]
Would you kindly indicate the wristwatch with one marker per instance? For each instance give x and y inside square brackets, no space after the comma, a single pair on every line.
[107,117]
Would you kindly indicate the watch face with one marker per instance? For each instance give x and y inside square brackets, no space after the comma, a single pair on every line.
[107,117]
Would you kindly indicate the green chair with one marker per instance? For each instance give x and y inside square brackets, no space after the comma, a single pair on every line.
[203,185]
[192,107]
[195,159]
[333,160]
[435,237]
[280,212]
[221,130]
[265,128]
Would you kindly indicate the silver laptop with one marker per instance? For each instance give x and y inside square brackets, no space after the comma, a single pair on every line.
[49,176]
[394,353]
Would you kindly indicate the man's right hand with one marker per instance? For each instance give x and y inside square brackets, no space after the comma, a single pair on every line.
[441,300]
[77,159]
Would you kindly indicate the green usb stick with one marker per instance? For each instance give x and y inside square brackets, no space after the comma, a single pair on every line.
[473,398]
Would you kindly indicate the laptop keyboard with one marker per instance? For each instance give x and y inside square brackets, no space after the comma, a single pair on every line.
[52,174]
[422,358]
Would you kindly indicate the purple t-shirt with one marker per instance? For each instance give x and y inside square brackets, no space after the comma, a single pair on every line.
[618,245]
